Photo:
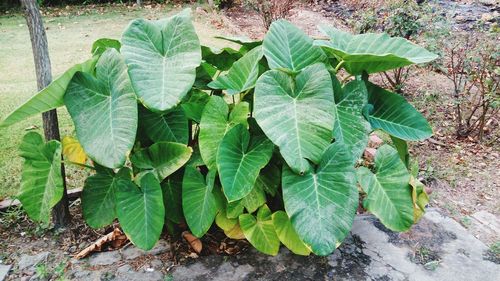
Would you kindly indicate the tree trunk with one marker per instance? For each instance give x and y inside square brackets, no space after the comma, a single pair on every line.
[60,214]
[139,3]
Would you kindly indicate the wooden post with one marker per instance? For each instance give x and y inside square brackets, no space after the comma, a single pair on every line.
[60,214]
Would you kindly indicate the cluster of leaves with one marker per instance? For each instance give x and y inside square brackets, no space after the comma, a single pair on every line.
[263,140]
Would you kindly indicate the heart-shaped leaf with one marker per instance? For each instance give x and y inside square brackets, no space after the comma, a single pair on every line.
[164,158]
[222,59]
[393,114]
[260,231]
[242,75]
[169,126]
[98,196]
[41,180]
[351,127]
[140,211]
[194,103]
[104,110]
[287,234]
[172,197]
[162,57]
[288,47]
[101,45]
[372,52]
[215,122]
[239,161]
[388,192]
[49,98]
[198,201]
[322,203]
[296,114]
[255,199]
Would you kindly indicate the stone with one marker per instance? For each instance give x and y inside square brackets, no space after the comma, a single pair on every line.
[161,247]
[370,252]
[29,262]
[131,275]
[105,258]
[487,17]
[4,271]
[489,2]
[485,224]
[369,154]
[132,252]
[374,141]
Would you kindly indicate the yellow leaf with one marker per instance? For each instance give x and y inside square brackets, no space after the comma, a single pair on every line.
[419,197]
[73,151]
[235,232]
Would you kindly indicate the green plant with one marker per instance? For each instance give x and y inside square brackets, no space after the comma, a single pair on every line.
[265,146]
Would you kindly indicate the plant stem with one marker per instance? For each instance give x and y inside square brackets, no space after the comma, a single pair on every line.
[338,66]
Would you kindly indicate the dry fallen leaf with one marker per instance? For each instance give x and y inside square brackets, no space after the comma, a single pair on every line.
[194,242]
[116,237]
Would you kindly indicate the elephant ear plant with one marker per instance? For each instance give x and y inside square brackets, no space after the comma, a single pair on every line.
[263,140]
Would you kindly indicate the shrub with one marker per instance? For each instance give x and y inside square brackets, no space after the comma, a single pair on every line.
[472,62]
[176,132]
[270,10]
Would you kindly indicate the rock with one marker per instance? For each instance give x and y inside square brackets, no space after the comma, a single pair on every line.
[487,17]
[131,275]
[489,2]
[161,247]
[4,271]
[156,264]
[369,153]
[132,252]
[374,141]
[105,258]
[27,261]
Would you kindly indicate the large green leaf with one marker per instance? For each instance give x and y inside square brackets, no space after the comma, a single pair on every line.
[372,52]
[388,192]
[297,113]
[244,41]
[162,57]
[322,203]
[104,110]
[41,180]
[222,59]
[169,126]
[172,197]
[393,114]
[260,231]
[288,47]
[163,158]
[194,103]
[269,178]
[255,199]
[49,98]
[215,122]
[287,234]
[351,127]
[140,211]
[98,197]
[242,75]
[101,45]
[198,201]
[239,161]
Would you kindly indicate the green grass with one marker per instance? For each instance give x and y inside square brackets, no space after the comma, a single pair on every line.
[70,38]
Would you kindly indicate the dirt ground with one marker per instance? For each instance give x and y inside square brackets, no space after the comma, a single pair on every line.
[464,175]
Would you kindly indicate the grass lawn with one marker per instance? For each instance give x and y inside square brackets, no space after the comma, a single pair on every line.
[70,38]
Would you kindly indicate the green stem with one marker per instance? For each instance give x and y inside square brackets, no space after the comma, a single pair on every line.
[338,66]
